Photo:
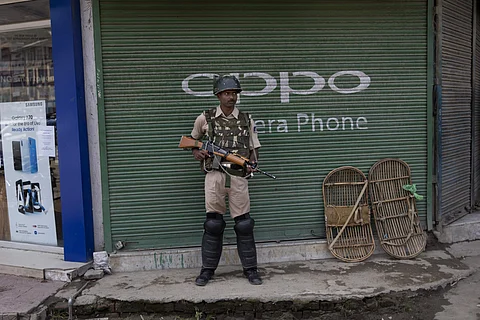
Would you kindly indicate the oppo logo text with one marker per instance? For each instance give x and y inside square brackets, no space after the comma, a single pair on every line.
[286,90]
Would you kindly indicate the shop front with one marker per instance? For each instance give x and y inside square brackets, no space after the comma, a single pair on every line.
[329,84]
[30,199]
[38,127]
[459,110]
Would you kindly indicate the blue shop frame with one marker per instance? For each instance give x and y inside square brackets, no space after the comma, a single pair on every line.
[75,187]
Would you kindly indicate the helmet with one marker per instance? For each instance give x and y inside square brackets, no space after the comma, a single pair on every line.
[224,83]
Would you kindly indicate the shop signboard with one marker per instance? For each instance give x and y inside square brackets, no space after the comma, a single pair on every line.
[27,172]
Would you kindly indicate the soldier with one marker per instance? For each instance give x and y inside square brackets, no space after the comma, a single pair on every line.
[234,131]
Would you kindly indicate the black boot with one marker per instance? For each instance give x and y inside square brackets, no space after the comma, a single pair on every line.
[204,277]
[253,276]
[212,243]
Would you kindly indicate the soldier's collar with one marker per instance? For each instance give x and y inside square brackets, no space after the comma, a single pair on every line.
[234,113]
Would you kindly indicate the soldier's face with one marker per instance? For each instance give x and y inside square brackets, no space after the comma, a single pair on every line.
[228,98]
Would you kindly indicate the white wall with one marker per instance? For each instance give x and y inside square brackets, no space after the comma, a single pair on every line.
[92,121]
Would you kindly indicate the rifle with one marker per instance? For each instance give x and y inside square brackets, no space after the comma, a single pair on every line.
[189,143]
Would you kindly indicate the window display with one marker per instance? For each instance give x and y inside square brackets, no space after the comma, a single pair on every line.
[26,74]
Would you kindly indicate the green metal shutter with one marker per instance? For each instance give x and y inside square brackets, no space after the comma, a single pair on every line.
[456,137]
[476,104]
[369,101]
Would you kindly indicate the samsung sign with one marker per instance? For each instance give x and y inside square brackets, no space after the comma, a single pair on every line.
[271,83]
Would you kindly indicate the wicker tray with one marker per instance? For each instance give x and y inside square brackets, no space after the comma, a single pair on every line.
[395,210]
[347,215]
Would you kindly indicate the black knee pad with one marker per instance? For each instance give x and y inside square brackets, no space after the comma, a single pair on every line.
[244,224]
[212,240]
[245,241]
[214,224]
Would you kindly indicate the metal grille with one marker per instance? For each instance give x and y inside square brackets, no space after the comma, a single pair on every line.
[456,106]
[330,83]
[476,118]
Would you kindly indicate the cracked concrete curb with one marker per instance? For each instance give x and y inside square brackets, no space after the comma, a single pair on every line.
[304,288]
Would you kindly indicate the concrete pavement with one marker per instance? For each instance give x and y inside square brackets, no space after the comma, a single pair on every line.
[36,261]
[464,297]
[305,289]
[23,296]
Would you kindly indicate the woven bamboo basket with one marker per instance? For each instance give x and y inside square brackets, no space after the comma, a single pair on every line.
[347,215]
[395,209]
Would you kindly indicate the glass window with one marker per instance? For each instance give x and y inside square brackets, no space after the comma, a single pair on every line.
[26,74]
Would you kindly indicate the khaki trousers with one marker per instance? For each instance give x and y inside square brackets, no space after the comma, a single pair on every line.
[216,193]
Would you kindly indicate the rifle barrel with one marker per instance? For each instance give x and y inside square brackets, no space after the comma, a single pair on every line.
[267,174]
